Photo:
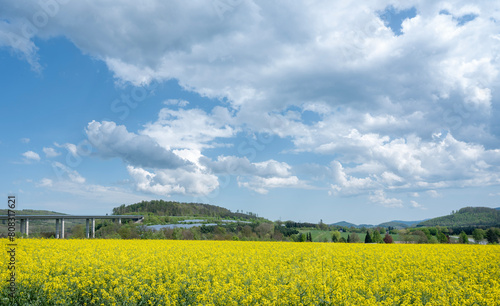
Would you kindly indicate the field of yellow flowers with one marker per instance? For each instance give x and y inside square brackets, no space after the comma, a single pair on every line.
[160,272]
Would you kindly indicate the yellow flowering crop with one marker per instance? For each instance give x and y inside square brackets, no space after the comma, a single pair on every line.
[164,272]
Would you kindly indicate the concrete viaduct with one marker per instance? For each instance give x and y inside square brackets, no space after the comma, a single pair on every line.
[90,224]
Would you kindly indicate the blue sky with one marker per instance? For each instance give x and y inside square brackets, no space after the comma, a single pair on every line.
[303,111]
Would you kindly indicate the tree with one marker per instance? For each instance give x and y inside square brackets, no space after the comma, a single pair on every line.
[427,233]
[492,235]
[247,231]
[336,236]
[342,239]
[478,235]
[368,237]
[302,237]
[78,231]
[462,238]
[322,226]
[264,228]
[441,237]
[353,238]
[377,238]
[388,238]
[420,236]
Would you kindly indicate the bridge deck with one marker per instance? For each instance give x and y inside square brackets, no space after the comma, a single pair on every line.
[90,224]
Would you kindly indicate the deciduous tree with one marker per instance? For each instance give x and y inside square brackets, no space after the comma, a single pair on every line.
[376,237]
[388,238]
[462,238]
[336,236]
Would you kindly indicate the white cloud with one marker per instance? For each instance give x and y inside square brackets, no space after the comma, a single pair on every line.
[242,166]
[50,152]
[173,181]
[433,193]
[348,185]
[415,204]
[176,102]
[379,197]
[259,177]
[113,140]
[262,184]
[71,148]
[12,36]
[25,140]
[190,129]
[66,173]
[30,155]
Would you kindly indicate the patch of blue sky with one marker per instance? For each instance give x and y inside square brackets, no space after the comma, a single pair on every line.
[394,18]
[461,20]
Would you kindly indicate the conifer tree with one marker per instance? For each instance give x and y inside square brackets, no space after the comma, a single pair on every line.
[368,237]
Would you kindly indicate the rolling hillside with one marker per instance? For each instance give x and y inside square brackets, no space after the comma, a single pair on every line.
[170,208]
[467,217]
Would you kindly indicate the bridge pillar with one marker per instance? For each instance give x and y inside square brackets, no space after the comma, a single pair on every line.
[87,228]
[57,228]
[93,227]
[21,226]
[27,227]
[62,228]
[119,220]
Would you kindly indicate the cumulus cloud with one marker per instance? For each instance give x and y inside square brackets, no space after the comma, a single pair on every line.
[242,166]
[192,129]
[259,177]
[262,184]
[31,156]
[173,181]
[379,197]
[71,148]
[50,152]
[415,204]
[113,140]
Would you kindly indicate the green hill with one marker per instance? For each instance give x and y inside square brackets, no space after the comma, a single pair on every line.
[467,217]
[31,212]
[394,224]
[171,208]
[345,224]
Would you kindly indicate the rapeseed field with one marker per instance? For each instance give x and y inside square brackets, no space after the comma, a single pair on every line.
[159,272]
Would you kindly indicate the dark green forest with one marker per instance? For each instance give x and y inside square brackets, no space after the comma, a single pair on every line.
[467,218]
[171,208]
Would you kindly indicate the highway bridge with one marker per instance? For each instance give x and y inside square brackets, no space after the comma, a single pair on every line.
[90,221]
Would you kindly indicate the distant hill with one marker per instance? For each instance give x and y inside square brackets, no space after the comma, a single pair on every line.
[344,223]
[171,208]
[395,224]
[467,217]
[400,224]
[31,212]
